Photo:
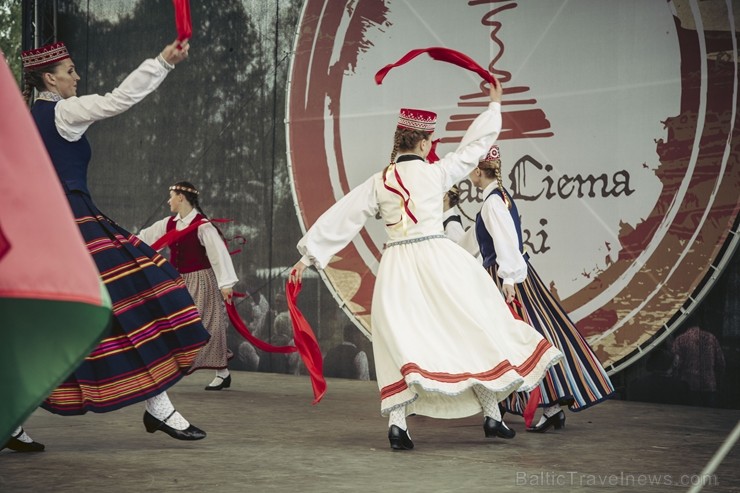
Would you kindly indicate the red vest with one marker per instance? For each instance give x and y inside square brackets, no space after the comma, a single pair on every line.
[188,255]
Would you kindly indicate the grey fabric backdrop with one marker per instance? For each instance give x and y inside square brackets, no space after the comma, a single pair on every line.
[218,121]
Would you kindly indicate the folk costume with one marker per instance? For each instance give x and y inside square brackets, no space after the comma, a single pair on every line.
[438,350]
[156,331]
[204,262]
[578,380]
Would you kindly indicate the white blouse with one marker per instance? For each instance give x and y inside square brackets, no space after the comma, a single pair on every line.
[496,216]
[73,116]
[216,251]
[454,229]
[427,182]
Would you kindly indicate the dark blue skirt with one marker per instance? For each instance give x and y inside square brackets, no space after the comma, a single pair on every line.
[156,330]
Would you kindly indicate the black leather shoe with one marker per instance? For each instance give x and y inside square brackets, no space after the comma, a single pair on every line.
[399,438]
[14,444]
[152,424]
[556,420]
[225,383]
[493,428]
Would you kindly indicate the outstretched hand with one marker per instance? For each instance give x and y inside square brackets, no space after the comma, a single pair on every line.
[176,51]
[296,273]
[496,91]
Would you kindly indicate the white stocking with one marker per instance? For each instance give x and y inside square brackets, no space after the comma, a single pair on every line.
[398,417]
[22,435]
[488,402]
[161,408]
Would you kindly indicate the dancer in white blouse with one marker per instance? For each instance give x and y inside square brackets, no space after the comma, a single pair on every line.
[440,349]
[451,220]
[202,258]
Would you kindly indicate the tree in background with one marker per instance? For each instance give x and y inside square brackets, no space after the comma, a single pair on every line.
[10,35]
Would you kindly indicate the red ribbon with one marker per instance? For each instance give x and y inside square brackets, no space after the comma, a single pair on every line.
[440,54]
[242,328]
[404,200]
[182,19]
[174,235]
[308,346]
[432,156]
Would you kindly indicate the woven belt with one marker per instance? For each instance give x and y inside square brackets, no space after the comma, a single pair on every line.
[414,240]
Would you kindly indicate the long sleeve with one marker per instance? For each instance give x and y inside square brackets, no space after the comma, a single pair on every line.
[74,115]
[511,265]
[218,256]
[338,225]
[476,142]
[154,232]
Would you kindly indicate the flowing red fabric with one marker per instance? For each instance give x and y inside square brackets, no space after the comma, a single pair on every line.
[182,19]
[305,339]
[432,156]
[440,54]
[242,328]
[536,394]
[174,235]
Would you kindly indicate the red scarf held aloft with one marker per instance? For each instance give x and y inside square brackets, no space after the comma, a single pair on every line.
[183,22]
[440,54]
[308,346]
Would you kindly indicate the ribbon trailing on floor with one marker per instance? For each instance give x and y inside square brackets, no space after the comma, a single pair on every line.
[440,54]
[308,346]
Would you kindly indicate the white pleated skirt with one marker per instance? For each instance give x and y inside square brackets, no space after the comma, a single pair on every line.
[441,327]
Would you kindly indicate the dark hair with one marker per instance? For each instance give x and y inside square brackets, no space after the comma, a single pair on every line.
[34,79]
[659,360]
[453,194]
[191,197]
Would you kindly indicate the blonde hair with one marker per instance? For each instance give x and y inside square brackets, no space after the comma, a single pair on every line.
[492,171]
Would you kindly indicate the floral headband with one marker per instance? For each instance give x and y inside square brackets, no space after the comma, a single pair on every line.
[180,188]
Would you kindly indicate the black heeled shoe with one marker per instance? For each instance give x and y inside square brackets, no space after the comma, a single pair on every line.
[399,439]
[153,424]
[225,383]
[556,420]
[493,428]
[18,446]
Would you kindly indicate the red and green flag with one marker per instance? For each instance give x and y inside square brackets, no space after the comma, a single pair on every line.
[53,307]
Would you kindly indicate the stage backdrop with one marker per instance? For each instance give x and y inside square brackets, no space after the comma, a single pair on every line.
[620,141]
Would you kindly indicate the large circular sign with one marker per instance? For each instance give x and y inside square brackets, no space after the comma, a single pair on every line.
[619,141]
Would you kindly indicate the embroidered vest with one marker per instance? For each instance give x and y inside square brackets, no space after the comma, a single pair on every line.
[187,254]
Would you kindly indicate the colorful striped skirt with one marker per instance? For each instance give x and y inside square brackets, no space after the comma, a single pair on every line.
[155,333]
[578,380]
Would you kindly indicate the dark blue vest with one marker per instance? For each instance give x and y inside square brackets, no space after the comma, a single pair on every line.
[485,242]
[70,159]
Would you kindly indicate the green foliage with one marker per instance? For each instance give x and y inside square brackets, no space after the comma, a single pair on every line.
[10,34]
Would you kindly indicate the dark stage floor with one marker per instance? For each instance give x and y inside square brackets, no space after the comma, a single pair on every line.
[264,435]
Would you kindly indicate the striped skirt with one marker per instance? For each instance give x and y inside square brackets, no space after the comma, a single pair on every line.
[578,380]
[155,332]
[203,287]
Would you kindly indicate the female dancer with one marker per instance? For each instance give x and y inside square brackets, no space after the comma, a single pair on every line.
[451,220]
[579,380]
[203,260]
[438,351]
[156,331]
